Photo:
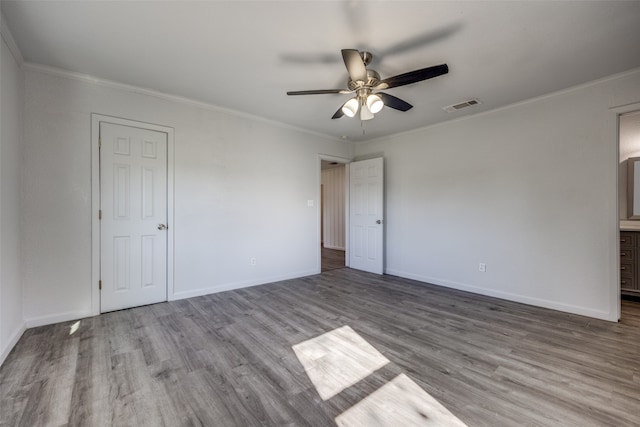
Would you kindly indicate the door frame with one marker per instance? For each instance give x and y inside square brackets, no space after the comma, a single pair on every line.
[615,297]
[345,162]
[95,201]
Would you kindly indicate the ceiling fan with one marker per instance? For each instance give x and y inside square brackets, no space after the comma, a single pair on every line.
[366,84]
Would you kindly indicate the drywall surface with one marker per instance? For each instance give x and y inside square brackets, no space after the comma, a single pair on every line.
[11,100]
[242,187]
[529,190]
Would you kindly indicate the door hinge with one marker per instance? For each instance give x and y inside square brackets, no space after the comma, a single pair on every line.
[100,214]
[100,284]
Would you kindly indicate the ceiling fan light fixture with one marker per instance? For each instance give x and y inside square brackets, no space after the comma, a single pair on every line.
[374,103]
[365,113]
[364,81]
[350,108]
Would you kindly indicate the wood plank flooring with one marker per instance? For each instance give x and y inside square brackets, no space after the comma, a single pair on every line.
[227,359]
[332,259]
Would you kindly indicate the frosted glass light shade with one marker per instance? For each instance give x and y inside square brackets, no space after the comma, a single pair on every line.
[365,114]
[350,108]
[375,104]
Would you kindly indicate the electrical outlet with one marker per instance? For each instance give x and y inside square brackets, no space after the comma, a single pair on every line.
[482,267]
[253,261]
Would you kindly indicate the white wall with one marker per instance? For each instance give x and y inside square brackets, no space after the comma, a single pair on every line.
[11,107]
[333,182]
[241,191]
[530,190]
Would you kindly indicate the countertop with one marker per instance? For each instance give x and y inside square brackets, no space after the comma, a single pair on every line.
[629,225]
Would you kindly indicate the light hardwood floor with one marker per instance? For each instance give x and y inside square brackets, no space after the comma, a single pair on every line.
[227,359]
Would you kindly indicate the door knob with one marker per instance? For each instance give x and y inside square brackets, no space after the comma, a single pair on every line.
[162,227]
[379,221]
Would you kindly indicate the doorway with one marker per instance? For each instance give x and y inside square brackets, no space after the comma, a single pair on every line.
[628,191]
[333,215]
[360,212]
[132,202]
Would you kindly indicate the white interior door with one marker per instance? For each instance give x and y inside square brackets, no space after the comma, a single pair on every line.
[133,204]
[366,221]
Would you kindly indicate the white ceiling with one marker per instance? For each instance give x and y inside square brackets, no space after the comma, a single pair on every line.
[245,56]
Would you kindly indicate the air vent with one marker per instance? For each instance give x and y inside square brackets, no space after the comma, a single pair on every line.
[461,105]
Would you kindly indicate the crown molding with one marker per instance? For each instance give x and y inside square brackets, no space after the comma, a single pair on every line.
[86,78]
[535,99]
[10,41]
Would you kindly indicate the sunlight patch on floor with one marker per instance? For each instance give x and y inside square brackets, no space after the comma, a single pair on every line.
[337,360]
[74,327]
[400,402]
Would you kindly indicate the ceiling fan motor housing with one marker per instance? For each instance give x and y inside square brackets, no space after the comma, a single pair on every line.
[372,80]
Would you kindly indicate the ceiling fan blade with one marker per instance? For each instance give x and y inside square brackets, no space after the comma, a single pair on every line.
[393,102]
[355,65]
[413,76]
[338,113]
[317,92]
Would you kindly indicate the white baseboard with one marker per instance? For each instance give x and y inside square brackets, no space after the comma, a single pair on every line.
[339,248]
[12,342]
[34,322]
[238,285]
[538,302]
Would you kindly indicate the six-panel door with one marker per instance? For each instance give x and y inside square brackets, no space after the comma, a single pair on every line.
[133,201]
[366,222]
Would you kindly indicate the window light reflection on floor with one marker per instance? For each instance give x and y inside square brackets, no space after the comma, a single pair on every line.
[74,327]
[400,402]
[337,360]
